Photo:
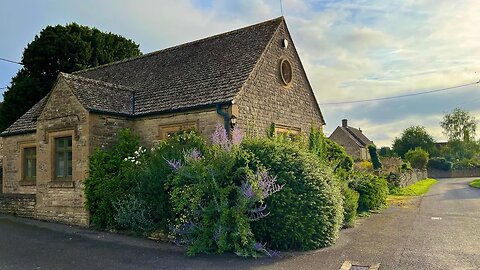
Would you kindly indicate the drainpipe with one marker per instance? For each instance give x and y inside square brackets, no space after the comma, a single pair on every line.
[225,116]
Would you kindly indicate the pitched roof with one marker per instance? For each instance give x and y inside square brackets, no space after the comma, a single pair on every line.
[101,96]
[357,135]
[199,73]
[27,122]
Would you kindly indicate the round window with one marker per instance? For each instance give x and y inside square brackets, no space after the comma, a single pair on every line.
[286,72]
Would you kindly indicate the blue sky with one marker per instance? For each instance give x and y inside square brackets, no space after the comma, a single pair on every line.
[350,49]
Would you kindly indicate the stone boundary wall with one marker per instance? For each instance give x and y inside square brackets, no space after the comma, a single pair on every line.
[22,205]
[474,172]
[409,178]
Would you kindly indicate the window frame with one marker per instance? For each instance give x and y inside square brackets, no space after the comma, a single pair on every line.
[23,180]
[287,130]
[65,150]
[166,131]
[25,168]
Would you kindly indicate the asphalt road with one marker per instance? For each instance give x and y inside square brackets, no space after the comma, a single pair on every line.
[438,231]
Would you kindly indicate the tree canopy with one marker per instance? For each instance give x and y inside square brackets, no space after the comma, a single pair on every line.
[459,125]
[411,138]
[59,49]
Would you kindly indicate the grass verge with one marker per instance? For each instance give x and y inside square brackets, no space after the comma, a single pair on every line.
[475,183]
[402,197]
[417,189]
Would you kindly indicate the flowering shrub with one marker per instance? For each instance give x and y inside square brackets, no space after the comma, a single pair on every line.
[215,198]
[308,212]
[107,179]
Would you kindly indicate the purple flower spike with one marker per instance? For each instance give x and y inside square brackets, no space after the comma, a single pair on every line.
[174,164]
[257,213]
[219,137]
[247,190]
[258,246]
[267,183]
[237,136]
[195,154]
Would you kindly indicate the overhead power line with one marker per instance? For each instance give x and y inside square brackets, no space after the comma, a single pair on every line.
[11,61]
[399,96]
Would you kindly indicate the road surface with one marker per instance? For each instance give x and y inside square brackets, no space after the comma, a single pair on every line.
[440,230]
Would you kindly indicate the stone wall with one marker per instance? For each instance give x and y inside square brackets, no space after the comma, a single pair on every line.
[149,128]
[474,172]
[12,164]
[63,116]
[411,177]
[265,99]
[104,129]
[22,205]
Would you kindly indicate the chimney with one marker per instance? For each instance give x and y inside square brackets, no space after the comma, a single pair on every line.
[344,123]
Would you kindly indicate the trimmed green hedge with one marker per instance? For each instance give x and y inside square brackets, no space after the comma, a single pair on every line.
[308,212]
[373,191]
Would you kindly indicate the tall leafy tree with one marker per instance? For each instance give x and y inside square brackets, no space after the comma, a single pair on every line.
[411,138]
[59,49]
[459,125]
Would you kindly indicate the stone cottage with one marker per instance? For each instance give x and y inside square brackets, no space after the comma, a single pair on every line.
[353,140]
[251,77]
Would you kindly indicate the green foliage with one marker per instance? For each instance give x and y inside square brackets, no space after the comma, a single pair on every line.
[59,49]
[459,150]
[475,183]
[350,206]
[271,131]
[412,137]
[372,149]
[132,214]
[308,212]
[466,164]
[211,213]
[329,151]
[106,182]
[373,191]
[459,125]
[439,163]
[419,188]
[417,157]
[387,152]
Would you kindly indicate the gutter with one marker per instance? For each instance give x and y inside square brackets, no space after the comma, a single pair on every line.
[226,118]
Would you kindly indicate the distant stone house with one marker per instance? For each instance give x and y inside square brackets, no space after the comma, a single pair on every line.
[353,140]
[251,77]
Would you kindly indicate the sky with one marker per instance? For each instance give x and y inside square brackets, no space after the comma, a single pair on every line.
[351,50]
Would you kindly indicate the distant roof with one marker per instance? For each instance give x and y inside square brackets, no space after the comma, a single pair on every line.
[357,136]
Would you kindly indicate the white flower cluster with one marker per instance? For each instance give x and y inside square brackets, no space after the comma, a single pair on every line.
[136,156]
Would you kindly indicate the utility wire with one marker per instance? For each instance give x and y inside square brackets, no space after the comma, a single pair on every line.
[399,96]
[6,60]
[3,87]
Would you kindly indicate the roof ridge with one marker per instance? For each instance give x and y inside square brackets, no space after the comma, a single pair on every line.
[354,135]
[281,18]
[100,82]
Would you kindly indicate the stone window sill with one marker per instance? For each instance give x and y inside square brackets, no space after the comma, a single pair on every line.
[27,183]
[61,184]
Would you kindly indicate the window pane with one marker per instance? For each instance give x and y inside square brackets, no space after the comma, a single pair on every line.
[30,162]
[59,144]
[69,163]
[60,166]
